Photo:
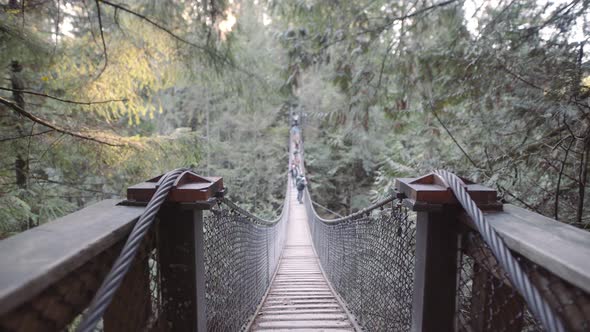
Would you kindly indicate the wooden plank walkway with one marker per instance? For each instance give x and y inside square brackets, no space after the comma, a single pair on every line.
[300,299]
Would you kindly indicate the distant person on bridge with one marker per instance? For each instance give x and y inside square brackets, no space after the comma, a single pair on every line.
[296,136]
[296,159]
[301,183]
[294,171]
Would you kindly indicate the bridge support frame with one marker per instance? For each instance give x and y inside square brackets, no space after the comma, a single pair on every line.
[180,246]
[438,238]
[435,276]
[182,267]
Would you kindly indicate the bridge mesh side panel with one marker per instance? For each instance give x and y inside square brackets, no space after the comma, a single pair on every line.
[486,300]
[240,257]
[370,263]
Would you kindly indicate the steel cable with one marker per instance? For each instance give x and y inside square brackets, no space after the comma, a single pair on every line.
[111,283]
[519,279]
[352,216]
[254,218]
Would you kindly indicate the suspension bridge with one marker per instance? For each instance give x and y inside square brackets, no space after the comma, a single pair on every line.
[439,254]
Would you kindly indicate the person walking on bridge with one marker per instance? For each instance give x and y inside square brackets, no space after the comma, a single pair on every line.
[294,171]
[296,136]
[301,183]
[296,159]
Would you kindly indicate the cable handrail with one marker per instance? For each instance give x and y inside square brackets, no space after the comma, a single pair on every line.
[256,219]
[352,216]
[325,208]
[521,281]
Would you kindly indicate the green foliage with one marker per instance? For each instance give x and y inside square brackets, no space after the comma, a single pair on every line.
[186,97]
[502,104]
[385,89]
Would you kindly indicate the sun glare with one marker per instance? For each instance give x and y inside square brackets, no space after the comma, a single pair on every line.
[226,25]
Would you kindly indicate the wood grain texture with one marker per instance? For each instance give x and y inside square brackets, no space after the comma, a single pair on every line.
[560,248]
[300,298]
[35,259]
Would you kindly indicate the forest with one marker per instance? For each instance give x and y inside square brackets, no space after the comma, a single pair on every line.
[99,95]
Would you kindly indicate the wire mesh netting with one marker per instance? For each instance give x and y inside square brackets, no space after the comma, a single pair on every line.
[369,259]
[486,300]
[241,255]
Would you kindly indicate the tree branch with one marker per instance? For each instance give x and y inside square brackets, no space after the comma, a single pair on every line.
[584,162]
[77,102]
[406,16]
[558,186]
[453,137]
[74,185]
[419,12]
[104,44]
[530,207]
[45,123]
[213,53]
[163,28]
[25,136]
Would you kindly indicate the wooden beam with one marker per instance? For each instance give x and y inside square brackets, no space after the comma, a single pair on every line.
[435,275]
[560,248]
[33,260]
[182,267]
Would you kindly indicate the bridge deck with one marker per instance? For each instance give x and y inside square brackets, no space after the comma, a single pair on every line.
[300,299]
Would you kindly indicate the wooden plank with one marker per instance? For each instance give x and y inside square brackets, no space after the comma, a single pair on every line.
[37,258]
[300,298]
[302,316]
[271,306]
[323,324]
[558,247]
[288,301]
[296,329]
[308,311]
[313,296]
[56,306]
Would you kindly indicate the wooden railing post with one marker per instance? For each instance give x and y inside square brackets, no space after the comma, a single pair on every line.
[435,274]
[433,302]
[182,267]
[180,248]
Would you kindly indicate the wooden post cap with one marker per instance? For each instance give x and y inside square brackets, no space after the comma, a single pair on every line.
[189,187]
[433,190]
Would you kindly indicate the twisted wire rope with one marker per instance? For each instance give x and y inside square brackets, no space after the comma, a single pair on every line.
[537,304]
[351,216]
[254,218]
[112,281]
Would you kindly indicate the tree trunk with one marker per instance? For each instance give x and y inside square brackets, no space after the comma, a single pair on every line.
[21,164]
[583,178]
